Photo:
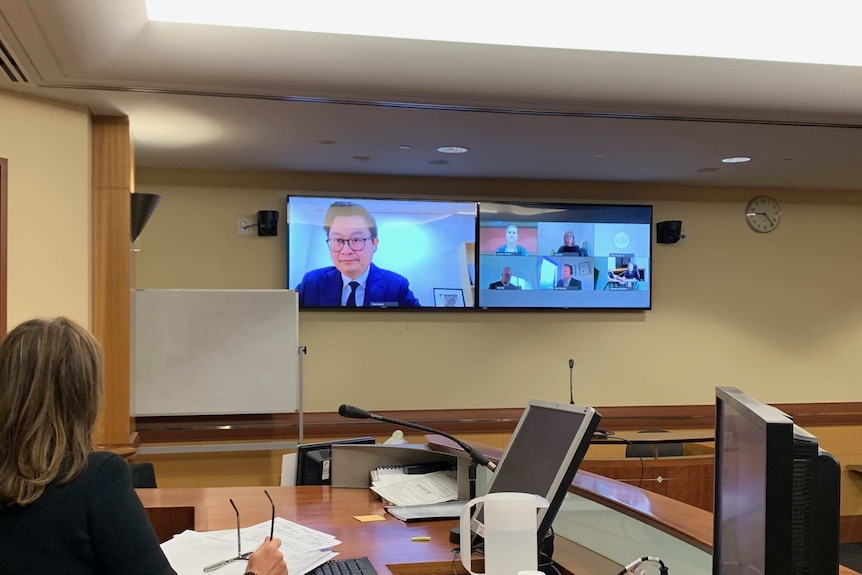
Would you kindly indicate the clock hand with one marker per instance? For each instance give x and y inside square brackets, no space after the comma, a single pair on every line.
[765,216]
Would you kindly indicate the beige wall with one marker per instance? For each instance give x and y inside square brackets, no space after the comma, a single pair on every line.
[777,314]
[48,148]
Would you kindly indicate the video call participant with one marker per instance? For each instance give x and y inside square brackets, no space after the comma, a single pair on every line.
[511,246]
[567,281]
[63,507]
[505,279]
[629,276]
[569,246]
[352,280]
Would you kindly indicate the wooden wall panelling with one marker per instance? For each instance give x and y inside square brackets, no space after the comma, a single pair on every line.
[687,479]
[272,426]
[112,173]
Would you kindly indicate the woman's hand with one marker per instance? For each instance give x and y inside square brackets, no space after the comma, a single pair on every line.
[267,559]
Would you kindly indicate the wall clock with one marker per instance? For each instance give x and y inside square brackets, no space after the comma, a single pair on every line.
[762,214]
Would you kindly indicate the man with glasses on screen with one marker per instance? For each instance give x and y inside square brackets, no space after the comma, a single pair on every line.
[352,280]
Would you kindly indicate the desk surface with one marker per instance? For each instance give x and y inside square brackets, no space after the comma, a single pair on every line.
[386,543]
[323,508]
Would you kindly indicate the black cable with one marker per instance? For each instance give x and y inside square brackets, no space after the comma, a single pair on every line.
[662,569]
[640,456]
[550,561]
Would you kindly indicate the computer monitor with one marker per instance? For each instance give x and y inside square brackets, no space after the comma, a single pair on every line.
[777,494]
[543,455]
[314,460]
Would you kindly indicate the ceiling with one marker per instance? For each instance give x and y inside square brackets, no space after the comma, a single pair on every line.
[218,98]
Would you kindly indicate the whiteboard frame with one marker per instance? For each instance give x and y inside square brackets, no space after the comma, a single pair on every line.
[287,306]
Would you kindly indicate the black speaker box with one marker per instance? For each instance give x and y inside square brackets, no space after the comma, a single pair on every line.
[668,232]
[267,223]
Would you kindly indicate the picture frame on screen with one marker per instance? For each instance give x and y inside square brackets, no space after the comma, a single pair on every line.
[564,256]
[448,297]
[369,253]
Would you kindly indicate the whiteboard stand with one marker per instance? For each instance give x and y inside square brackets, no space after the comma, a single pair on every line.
[301,351]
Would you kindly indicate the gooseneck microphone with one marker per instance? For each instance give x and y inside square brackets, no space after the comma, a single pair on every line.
[357,413]
[571,394]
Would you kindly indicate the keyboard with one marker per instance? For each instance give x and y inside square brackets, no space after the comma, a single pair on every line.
[357,566]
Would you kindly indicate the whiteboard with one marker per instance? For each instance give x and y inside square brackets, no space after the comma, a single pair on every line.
[200,352]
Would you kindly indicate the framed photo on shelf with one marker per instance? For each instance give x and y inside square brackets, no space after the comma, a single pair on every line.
[448,297]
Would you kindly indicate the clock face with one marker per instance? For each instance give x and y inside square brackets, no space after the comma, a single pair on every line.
[762,214]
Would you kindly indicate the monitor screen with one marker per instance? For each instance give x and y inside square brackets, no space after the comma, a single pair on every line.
[369,253]
[544,453]
[564,256]
[314,460]
[777,494]
[742,477]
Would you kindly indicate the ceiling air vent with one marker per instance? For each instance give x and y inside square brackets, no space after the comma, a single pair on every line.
[9,66]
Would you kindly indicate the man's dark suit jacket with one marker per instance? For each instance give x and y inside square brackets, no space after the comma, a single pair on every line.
[499,285]
[573,284]
[322,288]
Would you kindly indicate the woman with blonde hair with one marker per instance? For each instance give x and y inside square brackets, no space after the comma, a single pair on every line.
[65,508]
[569,246]
[512,247]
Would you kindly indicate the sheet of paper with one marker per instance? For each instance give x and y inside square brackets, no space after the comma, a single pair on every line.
[434,487]
[384,480]
[303,548]
[293,535]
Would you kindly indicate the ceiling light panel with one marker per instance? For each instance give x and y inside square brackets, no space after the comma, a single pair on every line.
[769,30]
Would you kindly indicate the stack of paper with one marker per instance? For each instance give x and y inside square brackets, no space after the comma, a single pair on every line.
[403,489]
[386,474]
[303,548]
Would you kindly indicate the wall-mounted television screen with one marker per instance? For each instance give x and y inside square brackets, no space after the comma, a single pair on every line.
[564,256]
[371,253]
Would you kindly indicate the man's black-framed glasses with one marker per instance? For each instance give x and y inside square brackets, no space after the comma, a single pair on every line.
[240,556]
[356,244]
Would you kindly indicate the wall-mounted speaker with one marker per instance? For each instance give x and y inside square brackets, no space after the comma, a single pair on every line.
[267,223]
[668,232]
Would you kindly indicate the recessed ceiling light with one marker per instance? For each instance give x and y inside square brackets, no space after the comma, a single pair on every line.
[361,158]
[404,147]
[453,149]
[438,162]
[736,160]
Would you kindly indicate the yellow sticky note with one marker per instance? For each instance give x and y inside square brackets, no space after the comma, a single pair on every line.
[364,518]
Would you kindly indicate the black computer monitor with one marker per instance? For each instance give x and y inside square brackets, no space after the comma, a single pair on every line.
[777,494]
[543,455]
[314,460]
